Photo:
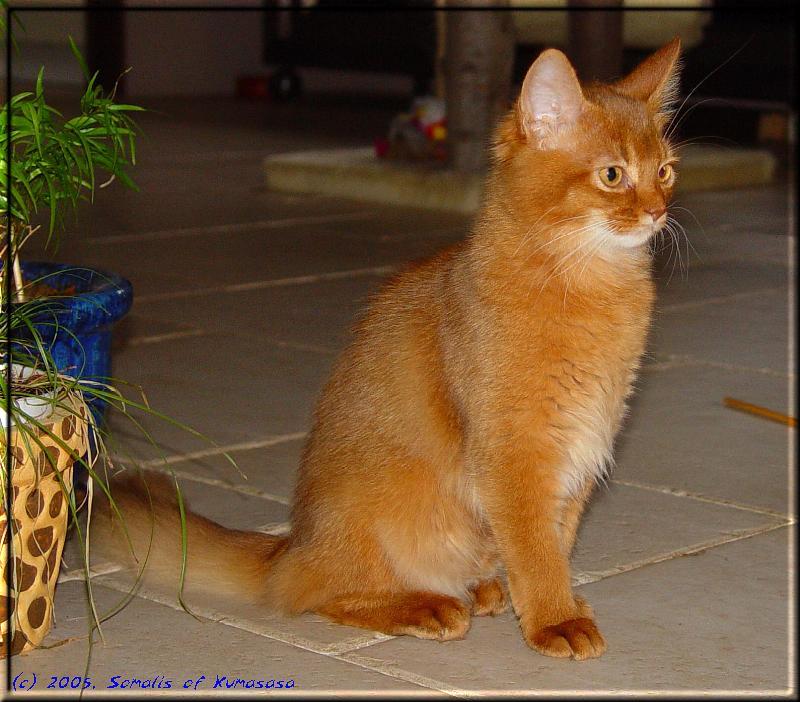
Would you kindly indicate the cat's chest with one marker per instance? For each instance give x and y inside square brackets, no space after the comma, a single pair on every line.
[590,373]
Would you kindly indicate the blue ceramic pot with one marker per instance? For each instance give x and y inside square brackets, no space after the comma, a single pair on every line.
[80,343]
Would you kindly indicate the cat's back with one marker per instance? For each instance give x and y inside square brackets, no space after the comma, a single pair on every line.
[391,376]
[406,312]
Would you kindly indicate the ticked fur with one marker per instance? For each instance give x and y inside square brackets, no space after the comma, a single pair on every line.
[461,432]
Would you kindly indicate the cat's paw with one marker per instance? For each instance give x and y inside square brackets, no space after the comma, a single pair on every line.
[442,619]
[576,638]
[489,598]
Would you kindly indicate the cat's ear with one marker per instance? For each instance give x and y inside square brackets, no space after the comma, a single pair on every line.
[551,99]
[656,79]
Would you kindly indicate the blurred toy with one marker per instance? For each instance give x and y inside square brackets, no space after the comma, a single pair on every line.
[417,135]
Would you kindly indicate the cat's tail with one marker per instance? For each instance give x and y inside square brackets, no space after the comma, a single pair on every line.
[142,531]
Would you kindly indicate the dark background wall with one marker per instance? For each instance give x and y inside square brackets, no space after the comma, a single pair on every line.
[203,53]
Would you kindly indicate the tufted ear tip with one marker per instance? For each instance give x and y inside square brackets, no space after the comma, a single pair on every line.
[674,45]
[655,80]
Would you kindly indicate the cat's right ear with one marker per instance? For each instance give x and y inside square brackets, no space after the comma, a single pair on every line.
[655,80]
[551,99]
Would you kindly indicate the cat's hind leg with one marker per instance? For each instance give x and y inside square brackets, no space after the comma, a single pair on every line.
[488,597]
[426,615]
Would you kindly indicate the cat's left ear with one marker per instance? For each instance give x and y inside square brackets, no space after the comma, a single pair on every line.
[656,79]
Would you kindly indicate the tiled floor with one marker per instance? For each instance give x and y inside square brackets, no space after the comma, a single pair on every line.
[243,298]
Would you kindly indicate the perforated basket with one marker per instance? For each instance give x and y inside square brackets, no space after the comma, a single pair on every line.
[40,508]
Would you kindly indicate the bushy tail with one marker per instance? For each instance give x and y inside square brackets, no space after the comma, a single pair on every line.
[220,561]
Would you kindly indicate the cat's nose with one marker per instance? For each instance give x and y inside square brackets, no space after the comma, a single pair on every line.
[657,213]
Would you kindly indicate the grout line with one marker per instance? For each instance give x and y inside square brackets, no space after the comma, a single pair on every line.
[682,361]
[228,448]
[274,528]
[315,348]
[230,228]
[388,669]
[677,492]
[219,617]
[328,650]
[272,283]
[335,650]
[669,365]
[67,576]
[169,336]
[357,643]
[589,576]
[275,440]
[716,260]
[679,307]
[233,487]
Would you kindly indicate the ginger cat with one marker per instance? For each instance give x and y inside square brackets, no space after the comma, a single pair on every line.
[463,429]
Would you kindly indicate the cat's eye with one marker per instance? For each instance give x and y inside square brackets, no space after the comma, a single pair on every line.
[611,176]
[665,173]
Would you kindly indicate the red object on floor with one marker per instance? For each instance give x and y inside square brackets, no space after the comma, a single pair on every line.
[252,87]
[381,147]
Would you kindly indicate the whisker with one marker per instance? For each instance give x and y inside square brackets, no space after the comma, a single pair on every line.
[677,250]
[667,245]
[661,240]
[667,131]
[560,236]
[560,270]
[588,258]
[526,237]
[698,140]
[532,227]
[692,215]
[558,266]
[683,263]
[674,250]
[689,111]
[689,244]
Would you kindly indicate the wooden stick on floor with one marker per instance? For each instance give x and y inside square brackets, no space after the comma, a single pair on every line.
[759,411]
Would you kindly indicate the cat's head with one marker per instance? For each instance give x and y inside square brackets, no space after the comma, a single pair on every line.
[597,153]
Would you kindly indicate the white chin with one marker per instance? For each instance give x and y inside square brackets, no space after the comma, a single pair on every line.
[632,240]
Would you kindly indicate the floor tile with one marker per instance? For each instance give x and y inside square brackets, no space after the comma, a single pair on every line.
[716,621]
[270,469]
[680,435]
[147,640]
[229,388]
[754,206]
[262,252]
[752,331]
[317,315]
[626,525]
[714,280]
[245,367]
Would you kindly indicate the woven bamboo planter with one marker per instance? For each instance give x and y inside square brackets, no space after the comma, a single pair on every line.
[40,508]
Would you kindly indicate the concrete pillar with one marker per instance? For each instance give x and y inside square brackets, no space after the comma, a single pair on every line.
[595,39]
[479,54]
[105,42]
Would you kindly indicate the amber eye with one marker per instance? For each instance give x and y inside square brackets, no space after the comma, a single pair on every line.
[665,173]
[611,176]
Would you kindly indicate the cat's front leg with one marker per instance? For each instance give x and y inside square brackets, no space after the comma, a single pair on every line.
[520,489]
[571,514]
